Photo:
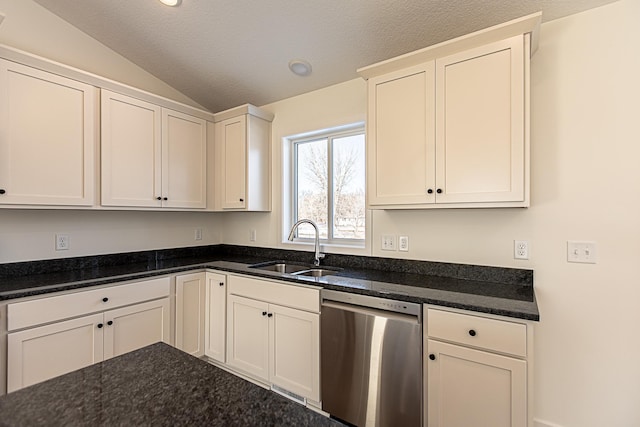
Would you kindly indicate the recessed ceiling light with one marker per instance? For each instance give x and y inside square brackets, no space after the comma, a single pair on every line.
[300,67]
[171,2]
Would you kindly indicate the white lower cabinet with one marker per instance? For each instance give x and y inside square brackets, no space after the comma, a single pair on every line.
[215,316]
[37,354]
[278,343]
[476,370]
[190,313]
[130,328]
[45,341]
[294,354]
[248,337]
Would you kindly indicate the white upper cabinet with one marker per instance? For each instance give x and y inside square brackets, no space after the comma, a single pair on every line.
[448,126]
[151,156]
[480,138]
[400,145]
[131,151]
[243,159]
[184,160]
[47,138]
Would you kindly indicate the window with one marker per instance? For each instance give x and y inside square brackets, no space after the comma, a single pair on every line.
[328,184]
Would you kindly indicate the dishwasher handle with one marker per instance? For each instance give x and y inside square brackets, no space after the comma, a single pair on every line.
[409,318]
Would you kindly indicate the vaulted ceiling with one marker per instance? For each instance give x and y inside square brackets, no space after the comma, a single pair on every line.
[224,53]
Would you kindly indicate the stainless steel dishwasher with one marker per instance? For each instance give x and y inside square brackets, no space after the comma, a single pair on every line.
[371,360]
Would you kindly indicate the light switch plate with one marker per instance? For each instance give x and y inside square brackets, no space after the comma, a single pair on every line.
[388,242]
[582,252]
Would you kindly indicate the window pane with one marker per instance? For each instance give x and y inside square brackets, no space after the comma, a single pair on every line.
[312,184]
[348,187]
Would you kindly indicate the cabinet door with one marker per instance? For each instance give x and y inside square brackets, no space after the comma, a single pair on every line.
[401,132]
[184,159]
[38,354]
[467,387]
[190,310]
[216,316]
[231,134]
[130,328]
[131,155]
[295,351]
[480,145]
[248,336]
[48,138]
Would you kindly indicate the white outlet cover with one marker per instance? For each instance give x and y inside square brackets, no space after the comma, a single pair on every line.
[403,243]
[62,242]
[521,249]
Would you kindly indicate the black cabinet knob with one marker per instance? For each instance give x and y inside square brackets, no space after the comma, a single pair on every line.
[100,325]
[430,191]
[242,200]
[472,332]
[432,356]
[105,299]
[110,322]
[221,283]
[165,198]
[158,198]
[270,315]
[264,313]
[2,191]
[439,191]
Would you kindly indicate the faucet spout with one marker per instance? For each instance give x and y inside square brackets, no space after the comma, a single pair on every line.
[318,255]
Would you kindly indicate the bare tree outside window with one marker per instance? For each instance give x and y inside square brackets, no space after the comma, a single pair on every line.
[329,182]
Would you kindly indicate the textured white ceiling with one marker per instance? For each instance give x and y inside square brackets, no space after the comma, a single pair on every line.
[224,53]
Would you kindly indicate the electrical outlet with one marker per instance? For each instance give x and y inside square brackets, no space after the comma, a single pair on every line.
[252,235]
[403,243]
[521,249]
[62,242]
[583,252]
[198,234]
[388,242]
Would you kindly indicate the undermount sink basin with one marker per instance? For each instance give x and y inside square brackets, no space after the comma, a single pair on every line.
[294,269]
[315,272]
[280,267]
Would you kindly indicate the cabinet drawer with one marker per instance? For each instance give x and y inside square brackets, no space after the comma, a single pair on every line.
[288,295]
[480,332]
[50,309]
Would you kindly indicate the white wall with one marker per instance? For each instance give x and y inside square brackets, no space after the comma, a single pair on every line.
[30,234]
[30,27]
[585,186]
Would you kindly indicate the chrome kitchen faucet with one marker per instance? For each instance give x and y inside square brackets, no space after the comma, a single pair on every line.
[318,255]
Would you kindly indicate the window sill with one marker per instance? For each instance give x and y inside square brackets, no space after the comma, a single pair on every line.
[330,248]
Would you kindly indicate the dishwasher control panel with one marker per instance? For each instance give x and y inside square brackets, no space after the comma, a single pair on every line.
[410,308]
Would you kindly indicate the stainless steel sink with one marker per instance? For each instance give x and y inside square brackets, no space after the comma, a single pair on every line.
[280,267]
[315,272]
[294,269]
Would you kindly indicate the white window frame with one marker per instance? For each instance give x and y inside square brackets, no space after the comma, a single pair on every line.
[289,207]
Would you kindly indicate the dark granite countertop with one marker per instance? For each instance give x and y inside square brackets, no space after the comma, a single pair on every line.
[495,290]
[155,386]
